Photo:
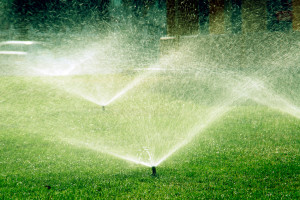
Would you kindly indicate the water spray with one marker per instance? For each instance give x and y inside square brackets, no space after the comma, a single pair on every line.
[153,171]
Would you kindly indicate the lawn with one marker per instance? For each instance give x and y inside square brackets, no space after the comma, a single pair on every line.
[56,144]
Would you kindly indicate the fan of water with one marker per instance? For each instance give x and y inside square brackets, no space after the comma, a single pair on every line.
[153,113]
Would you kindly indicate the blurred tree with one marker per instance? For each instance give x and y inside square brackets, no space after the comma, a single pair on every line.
[182,17]
[140,8]
[43,13]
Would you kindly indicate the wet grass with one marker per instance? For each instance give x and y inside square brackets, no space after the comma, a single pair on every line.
[252,152]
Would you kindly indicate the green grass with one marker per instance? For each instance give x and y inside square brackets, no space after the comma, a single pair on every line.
[251,152]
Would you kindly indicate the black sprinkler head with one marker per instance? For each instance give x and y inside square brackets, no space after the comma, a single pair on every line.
[48,187]
[103,108]
[153,171]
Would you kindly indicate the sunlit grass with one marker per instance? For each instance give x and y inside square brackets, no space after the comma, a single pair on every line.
[251,152]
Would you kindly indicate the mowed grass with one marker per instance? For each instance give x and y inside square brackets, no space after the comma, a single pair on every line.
[251,152]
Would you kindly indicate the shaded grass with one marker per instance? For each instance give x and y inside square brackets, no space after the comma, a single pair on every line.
[253,152]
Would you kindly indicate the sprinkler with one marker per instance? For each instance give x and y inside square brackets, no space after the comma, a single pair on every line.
[48,187]
[153,171]
[103,108]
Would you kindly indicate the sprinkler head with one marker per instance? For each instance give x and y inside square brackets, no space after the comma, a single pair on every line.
[103,108]
[153,171]
[48,187]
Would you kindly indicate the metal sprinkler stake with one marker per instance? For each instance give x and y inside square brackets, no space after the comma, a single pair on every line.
[153,171]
